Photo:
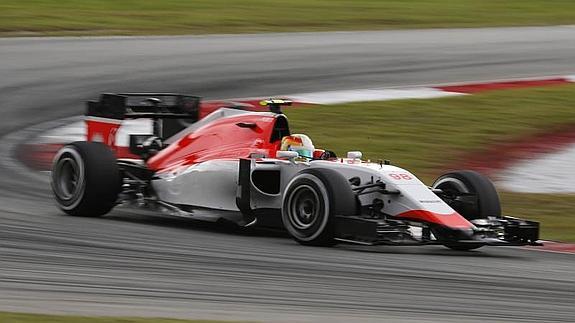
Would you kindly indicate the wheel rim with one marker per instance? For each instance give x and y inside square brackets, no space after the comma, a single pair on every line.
[304,207]
[67,178]
[462,196]
[450,184]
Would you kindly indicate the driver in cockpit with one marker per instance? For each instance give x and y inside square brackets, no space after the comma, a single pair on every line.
[303,145]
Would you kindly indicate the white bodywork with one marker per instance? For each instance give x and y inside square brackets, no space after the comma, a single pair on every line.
[415,195]
[210,184]
[214,185]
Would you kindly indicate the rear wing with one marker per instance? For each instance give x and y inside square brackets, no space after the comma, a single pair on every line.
[169,112]
[145,105]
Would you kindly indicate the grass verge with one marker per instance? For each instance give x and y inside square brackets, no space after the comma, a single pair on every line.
[426,135]
[8,317]
[138,17]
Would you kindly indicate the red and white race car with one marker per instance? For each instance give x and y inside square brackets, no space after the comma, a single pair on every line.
[227,162]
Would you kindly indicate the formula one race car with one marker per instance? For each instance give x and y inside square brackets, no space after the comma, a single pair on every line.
[224,162]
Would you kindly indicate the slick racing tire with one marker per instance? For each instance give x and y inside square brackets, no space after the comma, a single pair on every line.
[311,201]
[486,202]
[85,179]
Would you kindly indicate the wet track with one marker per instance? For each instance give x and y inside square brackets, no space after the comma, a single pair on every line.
[142,265]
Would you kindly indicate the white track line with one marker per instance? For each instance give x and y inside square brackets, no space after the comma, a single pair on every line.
[384,94]
[549,173]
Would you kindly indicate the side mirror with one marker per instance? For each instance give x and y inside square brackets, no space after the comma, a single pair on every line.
[287,154]
[354,154]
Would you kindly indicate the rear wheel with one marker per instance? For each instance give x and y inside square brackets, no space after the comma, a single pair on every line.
[85,179]
[470,194]
[311,201]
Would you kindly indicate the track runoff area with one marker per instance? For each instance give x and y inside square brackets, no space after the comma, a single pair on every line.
[555,152]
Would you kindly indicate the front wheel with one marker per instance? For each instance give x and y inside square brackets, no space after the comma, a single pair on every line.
[470,194]
[311,201]
[85,179]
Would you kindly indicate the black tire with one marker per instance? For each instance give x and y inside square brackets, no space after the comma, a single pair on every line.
[463,247]
[467,181]
[311,201]
[85,179]
[488,203]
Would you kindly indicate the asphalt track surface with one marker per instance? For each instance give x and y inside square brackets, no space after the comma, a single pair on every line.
[129,263]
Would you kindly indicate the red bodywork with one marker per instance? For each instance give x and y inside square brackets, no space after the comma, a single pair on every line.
[453,220]
[228,138]
[195,146]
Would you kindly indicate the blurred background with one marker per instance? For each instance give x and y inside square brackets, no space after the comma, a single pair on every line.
[508,69]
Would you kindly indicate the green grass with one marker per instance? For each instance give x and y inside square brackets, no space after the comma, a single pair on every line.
[7,317]
[425,136]
[136,17]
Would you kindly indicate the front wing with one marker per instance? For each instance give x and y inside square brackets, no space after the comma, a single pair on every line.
[500,231]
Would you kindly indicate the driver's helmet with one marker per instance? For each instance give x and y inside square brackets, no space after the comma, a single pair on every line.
[300,143]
